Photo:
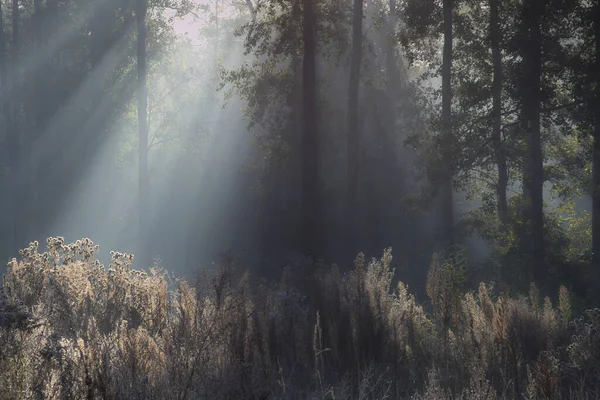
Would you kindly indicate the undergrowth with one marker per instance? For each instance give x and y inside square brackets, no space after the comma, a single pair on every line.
[72,329]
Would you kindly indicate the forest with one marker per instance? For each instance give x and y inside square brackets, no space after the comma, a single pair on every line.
[300,199]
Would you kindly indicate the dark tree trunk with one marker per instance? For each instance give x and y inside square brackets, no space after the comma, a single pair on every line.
[38,34]
[6,125]
[596,157]
[142,106]
[312,233]
[353,139]
[96,34]
[3,75]
[40,109]
[447,173]
[533,177]
[497,111]
[14,133]
[391,61]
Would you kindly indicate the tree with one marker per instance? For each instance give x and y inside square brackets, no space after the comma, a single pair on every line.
[533,174]
[142,108]
[312,230]
[3,72]
[495,35]
[447,140]
[585,83]
[269,82]
[391,61]
[424,21]
[352,127]
[596,158]
[14,134]
[7,127]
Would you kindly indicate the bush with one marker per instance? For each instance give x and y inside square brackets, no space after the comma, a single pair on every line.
[70,328]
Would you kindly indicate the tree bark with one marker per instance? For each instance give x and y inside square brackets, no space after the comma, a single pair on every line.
[353,138]
[447,173]
[142,106]
[497,113]
[533,177]
[312,233]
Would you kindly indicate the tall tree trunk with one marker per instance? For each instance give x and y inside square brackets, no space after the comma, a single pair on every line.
[142,106]
[533,177]
[14,145]
[38,35]
[393,77]
[3,73]
[497,111]
[312,233]
[99,65]
[96,34]
[447,173]
[596,157]
[353,139]
[41,96]
[6,125]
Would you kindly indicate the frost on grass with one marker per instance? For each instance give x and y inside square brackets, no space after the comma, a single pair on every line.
[72,328]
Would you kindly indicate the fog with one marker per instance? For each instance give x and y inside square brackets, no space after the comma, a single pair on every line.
[213,190]
[199,147]
[222,156]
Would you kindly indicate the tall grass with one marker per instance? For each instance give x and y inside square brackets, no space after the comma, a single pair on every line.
[72,329]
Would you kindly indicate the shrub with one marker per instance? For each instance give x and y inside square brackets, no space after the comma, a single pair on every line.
[71,328]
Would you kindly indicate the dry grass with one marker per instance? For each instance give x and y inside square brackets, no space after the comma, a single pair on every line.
[72,329]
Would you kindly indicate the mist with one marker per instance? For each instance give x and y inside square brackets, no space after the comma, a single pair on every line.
[224,113]
[213,188]
[299,199]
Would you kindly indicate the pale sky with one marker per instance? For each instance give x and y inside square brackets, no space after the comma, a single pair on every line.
[189,25]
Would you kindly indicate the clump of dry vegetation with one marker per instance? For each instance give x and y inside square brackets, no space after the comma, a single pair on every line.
[72,329]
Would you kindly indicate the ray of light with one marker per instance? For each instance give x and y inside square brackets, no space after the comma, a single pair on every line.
[35,59]
[189,193]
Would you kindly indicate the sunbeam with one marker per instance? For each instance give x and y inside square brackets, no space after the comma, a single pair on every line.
[299,199]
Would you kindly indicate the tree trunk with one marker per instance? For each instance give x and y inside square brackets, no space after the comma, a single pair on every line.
[96,34]
[392,72]
[353,139]
[447,173]
[6,126]
[40,109]
[533,177]
[596,157]
[3,75]
[496,112]
[142,105]
[39,25]
[14,145]
[312,234]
